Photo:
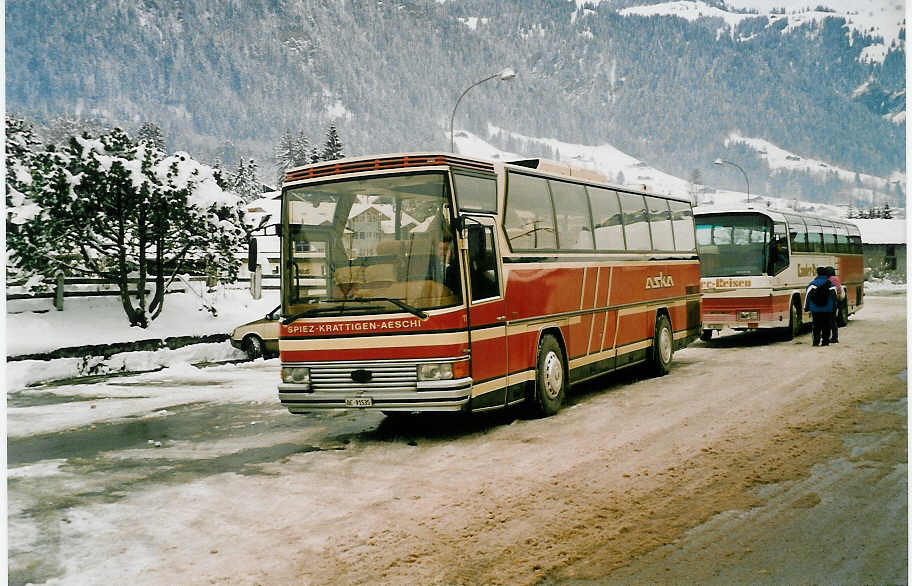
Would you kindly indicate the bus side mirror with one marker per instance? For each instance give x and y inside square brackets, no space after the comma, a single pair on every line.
[252,254]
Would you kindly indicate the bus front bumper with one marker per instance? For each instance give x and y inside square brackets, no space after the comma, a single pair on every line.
[451,395]
[744,320]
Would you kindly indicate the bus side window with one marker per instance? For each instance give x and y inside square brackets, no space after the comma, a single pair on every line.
[778,253]
[574,226]
[815,235]
[529,220]
[636,222]
[829,236]
[854,240]
[482,263]
[606,219]
[798,234]
[842,238]
[683,224]
[660,223]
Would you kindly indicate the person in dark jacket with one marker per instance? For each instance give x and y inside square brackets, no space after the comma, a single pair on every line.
[834,326]
[820,300]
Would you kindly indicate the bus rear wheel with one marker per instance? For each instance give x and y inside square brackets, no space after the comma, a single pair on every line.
[794,326]
[842,314]
[550,377]
[662,346]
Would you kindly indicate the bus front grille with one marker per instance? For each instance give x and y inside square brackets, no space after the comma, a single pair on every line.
[364,377]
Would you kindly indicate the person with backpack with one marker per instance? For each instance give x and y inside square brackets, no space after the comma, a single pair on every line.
[820,300]
[834,323]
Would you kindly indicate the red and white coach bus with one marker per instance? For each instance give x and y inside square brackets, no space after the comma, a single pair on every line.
[756,264]
[432,282]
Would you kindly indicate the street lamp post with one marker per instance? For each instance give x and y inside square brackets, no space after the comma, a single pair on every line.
[505,75]
[738,167]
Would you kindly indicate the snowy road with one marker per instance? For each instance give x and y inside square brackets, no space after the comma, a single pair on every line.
[752,461]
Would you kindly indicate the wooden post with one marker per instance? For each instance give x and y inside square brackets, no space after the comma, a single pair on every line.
[256,282]
[58,291]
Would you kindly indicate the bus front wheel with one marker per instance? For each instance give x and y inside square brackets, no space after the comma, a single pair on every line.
[550,377]
[707,335]
[662,346]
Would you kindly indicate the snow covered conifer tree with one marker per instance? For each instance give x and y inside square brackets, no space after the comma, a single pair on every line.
[301,149]
[284,154]
[151,133]
[244,181]
[111,208]
[291,152]
[21,163]
[332,148]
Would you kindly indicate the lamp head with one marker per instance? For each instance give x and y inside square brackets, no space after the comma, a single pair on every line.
[718,162]
[507,74]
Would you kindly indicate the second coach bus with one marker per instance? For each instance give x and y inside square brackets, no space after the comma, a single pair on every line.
[432,282]
[756,264]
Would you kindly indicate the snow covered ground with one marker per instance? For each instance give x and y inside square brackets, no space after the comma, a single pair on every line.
[101,320]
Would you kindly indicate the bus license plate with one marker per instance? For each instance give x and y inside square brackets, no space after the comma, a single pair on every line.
[359,402]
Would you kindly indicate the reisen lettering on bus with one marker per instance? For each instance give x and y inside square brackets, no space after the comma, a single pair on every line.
[725,283]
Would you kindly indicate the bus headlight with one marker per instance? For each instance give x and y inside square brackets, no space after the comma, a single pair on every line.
[443,370]
[748,315]
[298,375]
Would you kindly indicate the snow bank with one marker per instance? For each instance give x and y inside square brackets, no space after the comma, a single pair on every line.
[101,320]
[23,373]
[880,286]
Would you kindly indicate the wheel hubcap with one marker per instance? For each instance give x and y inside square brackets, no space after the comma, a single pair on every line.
[665,345]
[554,375]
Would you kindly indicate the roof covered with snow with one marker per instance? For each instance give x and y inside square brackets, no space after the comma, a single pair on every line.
[877,231]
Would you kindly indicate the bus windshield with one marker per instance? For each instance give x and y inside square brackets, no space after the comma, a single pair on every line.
[734,244]
[375,245]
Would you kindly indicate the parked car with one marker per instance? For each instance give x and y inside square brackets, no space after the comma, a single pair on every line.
[259,338]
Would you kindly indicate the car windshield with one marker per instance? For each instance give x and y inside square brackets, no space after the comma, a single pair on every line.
[376,245]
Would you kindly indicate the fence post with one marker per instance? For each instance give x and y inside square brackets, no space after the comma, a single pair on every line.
[58,291]
[256,282]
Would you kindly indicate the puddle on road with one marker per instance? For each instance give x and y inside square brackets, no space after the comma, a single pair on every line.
[32,399]
[196,422]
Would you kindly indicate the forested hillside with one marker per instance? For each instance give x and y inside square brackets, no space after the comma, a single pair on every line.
[225,79]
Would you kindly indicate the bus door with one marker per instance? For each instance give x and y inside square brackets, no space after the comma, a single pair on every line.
[487,315]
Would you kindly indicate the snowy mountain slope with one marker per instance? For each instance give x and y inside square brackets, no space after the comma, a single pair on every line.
[874,18]
[623,169]
[780,159]
[670,91]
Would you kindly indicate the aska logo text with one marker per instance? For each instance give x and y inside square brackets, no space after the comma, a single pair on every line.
[660,281]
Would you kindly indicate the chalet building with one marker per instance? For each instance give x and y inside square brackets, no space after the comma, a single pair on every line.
[884,244]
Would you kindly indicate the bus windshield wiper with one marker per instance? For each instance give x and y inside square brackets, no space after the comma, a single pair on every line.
[397,302]
[307,312]
[317,310]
